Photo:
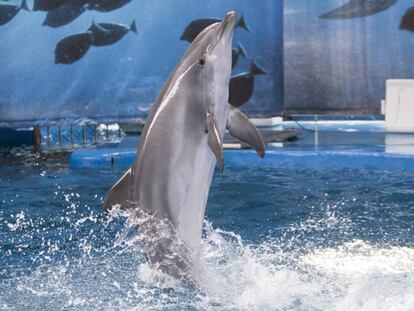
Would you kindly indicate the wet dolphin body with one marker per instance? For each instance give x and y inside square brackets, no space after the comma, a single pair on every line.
[359,8]
[180,143]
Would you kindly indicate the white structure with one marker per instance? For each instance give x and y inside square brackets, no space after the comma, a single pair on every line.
[399,143]
[399,106]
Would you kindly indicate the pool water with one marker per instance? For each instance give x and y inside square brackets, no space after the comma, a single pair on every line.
[286,238]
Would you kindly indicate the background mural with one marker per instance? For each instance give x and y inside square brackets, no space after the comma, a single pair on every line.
[107,59]
[339,53]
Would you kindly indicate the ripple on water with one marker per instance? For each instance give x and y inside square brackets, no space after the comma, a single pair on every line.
[309,243]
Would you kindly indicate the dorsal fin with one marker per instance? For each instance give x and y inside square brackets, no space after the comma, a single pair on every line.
[119,193]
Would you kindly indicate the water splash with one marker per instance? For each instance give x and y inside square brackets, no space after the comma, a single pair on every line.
[236,275]
[64,254]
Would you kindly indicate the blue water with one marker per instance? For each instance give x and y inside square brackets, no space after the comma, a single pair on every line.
[274,239]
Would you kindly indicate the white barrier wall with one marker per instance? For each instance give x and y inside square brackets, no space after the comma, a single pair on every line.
[399,106]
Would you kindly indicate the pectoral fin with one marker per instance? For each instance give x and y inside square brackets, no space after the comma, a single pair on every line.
[119,193]
[242,128]
[214,140]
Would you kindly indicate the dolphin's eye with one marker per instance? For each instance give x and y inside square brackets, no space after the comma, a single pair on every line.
[202,60]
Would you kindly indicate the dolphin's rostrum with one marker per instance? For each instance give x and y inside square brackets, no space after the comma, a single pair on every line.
[181,141]
[196,26]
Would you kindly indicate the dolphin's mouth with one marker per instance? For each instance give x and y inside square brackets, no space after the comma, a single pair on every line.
[226,28]
[228,22]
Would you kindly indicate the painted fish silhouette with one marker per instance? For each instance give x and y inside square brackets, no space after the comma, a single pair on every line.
[63,15]
[196,26]
[8,11]
[78,2]
[241,86]
[359,8]
[72,48]
[236,53]
[107,5]
[47,5]
[109,33]
[407,22]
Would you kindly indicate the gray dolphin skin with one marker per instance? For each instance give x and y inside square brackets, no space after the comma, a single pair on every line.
[359,8]
[170,179]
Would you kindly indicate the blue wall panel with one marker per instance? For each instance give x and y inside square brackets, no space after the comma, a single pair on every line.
[121,81]
[338,61]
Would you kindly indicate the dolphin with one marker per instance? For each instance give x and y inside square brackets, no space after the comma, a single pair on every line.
[168,184]
[196,26]
[359,8]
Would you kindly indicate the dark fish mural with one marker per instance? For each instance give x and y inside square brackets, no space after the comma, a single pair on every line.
[241,86]
[78,2]
[196,26]
[47,5]
[63,15]
[72,48]
[407,22]
[109,33]
[359,8]
[236,53]
[107,5]
[9,10]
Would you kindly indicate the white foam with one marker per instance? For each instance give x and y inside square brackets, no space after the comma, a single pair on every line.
[235,275]
[368,277]
[359,258]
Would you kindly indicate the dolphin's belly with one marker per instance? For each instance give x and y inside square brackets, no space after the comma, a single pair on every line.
[175,167]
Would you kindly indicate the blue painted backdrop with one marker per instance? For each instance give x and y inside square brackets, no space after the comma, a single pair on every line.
[121,81]
[341,65]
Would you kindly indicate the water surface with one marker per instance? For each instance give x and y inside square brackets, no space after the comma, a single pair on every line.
[274,239]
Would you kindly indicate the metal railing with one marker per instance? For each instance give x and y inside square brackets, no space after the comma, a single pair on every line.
[73,136]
